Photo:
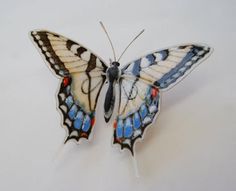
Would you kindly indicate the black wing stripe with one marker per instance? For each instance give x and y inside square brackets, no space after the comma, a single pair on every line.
[81,50]
[46,49]
[91,63]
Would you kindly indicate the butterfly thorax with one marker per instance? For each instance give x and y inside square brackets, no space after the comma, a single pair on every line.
[113,73]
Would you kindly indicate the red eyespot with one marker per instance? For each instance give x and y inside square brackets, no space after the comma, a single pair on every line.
[66,81]
[154,92]
[115,124]
[118,140]
[84,135]
[92,121]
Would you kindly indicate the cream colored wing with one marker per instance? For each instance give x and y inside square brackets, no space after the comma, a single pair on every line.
[140,83]
[82,77]
[166,67]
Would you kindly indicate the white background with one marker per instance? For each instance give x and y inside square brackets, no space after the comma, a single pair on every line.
[190,147]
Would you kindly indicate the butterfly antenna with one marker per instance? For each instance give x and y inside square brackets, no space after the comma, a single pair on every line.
[130,44]
[113,50]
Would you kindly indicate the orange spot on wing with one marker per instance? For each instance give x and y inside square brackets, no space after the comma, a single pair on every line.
[115,124]
[92,121]
[118,140]
[84,135]
[65,81]
[154,92]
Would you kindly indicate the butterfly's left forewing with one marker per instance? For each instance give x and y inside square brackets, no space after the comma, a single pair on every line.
[140,84]
[82,77]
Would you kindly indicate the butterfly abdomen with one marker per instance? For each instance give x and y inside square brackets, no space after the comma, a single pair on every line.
[109,102]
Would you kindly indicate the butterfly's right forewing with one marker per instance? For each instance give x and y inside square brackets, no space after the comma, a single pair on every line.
[166,67]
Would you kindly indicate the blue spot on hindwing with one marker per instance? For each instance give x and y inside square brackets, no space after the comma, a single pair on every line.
[68,89]
[143,111]
[78,120]
[119,129]
[69,101]
[148,96]
[136,121]
[86,124]
[128,131]
[72,112]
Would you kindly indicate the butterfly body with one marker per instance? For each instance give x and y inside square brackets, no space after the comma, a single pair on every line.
[83,75]
[113,74]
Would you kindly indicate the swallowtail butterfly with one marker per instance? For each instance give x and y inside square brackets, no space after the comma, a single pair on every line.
[82,75]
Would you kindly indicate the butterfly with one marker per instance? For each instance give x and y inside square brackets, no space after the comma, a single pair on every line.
[83,74]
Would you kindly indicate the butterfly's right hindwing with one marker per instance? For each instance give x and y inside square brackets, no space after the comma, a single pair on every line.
[82,77]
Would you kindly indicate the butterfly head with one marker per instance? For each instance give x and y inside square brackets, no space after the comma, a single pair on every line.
[115,63]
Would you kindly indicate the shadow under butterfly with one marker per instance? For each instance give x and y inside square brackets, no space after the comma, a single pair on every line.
[82,75]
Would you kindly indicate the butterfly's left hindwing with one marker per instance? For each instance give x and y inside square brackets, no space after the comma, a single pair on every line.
[82,77]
